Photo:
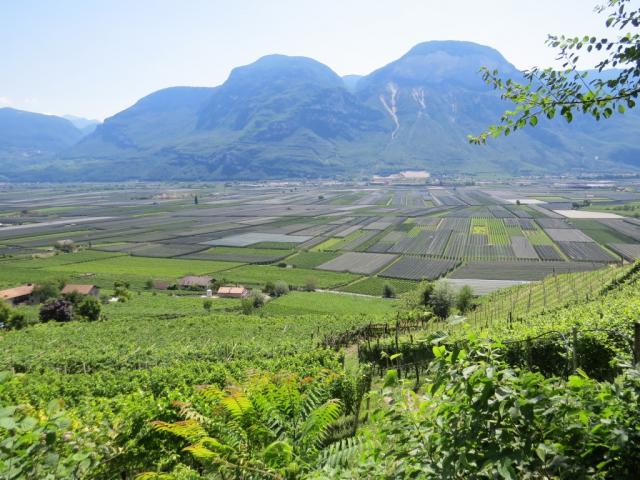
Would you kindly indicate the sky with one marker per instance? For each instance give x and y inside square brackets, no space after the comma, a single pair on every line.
[95,58]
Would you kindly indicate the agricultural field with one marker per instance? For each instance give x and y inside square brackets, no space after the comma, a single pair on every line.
[241,232]
[312,373]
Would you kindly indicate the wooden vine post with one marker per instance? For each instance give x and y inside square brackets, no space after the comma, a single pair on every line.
[574,344]
[636,344]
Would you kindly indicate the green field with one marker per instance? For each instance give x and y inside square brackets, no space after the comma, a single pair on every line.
[259,275]
[328,303]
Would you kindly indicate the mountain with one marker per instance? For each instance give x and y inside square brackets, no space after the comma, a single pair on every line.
[26,138]
[85,125]
[294,117]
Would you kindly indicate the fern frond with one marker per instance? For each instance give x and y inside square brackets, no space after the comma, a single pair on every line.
[317,425]
[154,476]
[187,429]
[339,454]
[237,403]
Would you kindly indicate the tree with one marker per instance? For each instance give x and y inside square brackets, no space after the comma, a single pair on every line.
[464,299]
[90,308]
[388,291]
[441,299]
[269,288]
[121,291]
[45,290]
[311,284]
[246,305]
[65,246]
[57,309]
[5,313]
[281,288]
[547,92]
[256,298]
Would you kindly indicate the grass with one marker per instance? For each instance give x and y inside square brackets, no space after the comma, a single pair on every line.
[600,232]
[374,285]
[538,237]
[327,245]
[310,259]
[258,275]
[149,267]
[296,303]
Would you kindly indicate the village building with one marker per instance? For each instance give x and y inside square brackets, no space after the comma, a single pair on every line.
[192,281]
[81,289]
[17,295]
[233,292]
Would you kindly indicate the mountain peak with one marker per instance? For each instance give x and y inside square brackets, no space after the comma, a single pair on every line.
[284,68]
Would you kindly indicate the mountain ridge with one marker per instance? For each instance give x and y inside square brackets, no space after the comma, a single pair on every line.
[284,116]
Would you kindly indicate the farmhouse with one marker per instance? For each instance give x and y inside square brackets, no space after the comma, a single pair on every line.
[81,289]
[233,292]
[17,295]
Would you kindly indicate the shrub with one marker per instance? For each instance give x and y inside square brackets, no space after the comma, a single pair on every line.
[388,291]
[246,305]
[311,284]
[17,321]
[90,308]
[257,298]
[464,299]
[269,288]
[121,290]
[507,423]
[65,246]
[58,309]
[441,299]
[207,304]
[281,288]
[45,290]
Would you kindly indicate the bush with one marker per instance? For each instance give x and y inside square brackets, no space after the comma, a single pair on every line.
[507,423]
[65,246]
[464,299]
[441,299]
[90,308]
[311,284]
[58,309]
[45,290]
[257,298]
[388,291]
[246,305]
[17,321]
[207,304]
[281,288]
[121,290]
[5,313]
[269,288]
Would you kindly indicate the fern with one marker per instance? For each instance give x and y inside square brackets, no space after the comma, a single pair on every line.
[339,454]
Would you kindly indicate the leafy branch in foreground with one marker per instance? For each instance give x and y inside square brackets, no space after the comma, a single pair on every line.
[547,92]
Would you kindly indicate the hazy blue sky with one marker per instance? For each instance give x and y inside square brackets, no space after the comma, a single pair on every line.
[94,58]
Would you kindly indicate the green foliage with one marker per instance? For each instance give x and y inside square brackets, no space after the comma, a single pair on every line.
[207,304]
[464,299]
[272,427]
[441,299]
[44,444]
[478,418]
[44,291]
[280,288]
[90,308]
[56,309]
[388,291]
[569,91]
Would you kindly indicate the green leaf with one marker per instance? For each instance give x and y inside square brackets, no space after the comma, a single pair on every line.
[533,121]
